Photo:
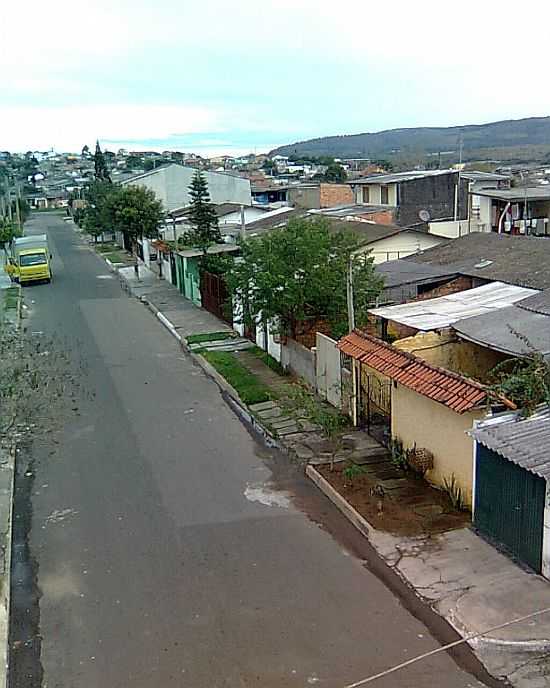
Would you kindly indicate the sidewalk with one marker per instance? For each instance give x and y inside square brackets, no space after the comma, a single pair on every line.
[164,299]
[462,577]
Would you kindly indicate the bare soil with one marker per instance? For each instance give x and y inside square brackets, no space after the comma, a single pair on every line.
[416,510]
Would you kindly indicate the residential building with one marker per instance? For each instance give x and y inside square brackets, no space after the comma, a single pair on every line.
[171,186]
[418,404]
[415,198]
[319,195]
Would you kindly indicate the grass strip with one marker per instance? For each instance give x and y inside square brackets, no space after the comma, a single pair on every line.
[268,359]
[209,337]
[114,257]
[247,385]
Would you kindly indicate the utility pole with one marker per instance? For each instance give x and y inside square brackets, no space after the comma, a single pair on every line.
[242,232]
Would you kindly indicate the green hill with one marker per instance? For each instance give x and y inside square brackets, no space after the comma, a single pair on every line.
[508,140]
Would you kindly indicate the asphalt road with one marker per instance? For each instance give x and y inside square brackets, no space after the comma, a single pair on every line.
[170,547]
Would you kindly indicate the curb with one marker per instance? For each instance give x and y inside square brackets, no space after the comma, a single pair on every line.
[355,518]
[367,529]
[5,595]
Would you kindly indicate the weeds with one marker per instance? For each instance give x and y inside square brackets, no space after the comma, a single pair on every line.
[352,472]
[454,493]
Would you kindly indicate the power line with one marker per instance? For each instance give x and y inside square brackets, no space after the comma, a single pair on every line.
[472,636]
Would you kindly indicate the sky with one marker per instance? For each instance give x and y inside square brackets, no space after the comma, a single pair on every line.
[215,77]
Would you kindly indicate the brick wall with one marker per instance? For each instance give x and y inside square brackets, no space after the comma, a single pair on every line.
[335,194]
[459,284]
[382,217]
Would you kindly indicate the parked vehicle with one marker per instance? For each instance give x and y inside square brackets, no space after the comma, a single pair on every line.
[29,259]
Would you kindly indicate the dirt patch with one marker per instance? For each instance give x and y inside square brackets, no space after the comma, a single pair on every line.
[414,509]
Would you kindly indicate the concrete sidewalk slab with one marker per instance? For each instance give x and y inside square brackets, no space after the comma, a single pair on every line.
[186,318]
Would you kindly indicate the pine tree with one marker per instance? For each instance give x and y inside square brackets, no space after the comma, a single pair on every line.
[101,171]
[202,214]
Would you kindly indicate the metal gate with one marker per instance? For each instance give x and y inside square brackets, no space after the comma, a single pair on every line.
[214,295]
[375,406]
[509,506]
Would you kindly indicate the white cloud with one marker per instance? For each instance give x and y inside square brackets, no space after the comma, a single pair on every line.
[405,63]
[69,128]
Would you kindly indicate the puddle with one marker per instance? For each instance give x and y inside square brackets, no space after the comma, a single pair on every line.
[264,495]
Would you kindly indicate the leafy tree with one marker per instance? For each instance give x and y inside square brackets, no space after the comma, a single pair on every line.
[524,381]
[335,173]
[94,218]
[8,230]
[101,170]
[202,215]
[85,150]
[134,162]
[134,210]
[299,273]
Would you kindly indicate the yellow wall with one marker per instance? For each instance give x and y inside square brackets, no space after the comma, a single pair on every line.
[415,419]
[446,351]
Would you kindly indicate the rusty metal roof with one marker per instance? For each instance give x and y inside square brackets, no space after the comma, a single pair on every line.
[458,393]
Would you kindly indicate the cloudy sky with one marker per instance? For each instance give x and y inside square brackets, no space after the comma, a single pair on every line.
[215,76]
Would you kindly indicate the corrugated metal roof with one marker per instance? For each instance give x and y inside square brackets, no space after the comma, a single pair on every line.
[539,303]
[443,311]
[524,441]
[450,389]
[400,176]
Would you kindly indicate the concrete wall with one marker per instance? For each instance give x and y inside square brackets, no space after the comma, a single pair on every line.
[304,196]
[445,350]
[454,230]
[171,185]
[418,420]
[300,361]
[328,370]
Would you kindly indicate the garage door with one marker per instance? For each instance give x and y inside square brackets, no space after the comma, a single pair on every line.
[509,506]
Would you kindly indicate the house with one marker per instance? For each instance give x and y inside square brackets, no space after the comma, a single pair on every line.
[482,258]
[385,242]
[270,193]
[405,280]
[320,195]
[517,330]
[421,405]
[188,276]
[171,186]
[516,211]
[436,314]
[511,486]
[415,198]
[474,220]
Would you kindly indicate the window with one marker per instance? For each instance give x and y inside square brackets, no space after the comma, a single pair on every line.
[366,194]
[32,259]
[384,195]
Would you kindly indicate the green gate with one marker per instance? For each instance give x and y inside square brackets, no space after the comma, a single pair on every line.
[509,506]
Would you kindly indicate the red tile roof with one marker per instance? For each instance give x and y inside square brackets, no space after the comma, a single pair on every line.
[454,391]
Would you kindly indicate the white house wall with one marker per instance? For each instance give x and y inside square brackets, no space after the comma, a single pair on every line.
[402,245]
[171,186]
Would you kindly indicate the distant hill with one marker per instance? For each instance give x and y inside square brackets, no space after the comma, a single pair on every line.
[507,139]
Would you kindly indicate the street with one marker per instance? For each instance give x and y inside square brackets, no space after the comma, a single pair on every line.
[169,546]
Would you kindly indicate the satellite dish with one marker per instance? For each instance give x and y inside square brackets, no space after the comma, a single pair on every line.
[424,215]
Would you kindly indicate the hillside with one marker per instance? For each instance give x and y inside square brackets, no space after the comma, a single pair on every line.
[507,139]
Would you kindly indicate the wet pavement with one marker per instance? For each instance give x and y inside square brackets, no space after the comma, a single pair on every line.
[168,547]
